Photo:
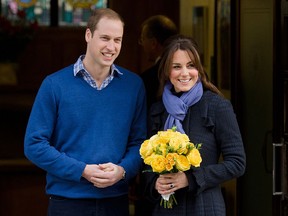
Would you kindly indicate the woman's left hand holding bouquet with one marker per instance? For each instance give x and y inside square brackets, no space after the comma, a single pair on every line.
[170,182]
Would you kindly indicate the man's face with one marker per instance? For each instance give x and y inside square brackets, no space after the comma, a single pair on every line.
[105,44]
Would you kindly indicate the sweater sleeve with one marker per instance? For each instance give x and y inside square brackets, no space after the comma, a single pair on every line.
[132,161]
[39,131]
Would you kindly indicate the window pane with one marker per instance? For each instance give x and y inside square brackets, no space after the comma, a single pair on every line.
[29,10]
[71,12]
[77,12]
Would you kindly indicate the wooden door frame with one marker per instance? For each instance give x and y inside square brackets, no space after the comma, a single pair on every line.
[280,136]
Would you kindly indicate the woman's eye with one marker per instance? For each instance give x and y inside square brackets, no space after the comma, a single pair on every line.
[191,66]
[176,67]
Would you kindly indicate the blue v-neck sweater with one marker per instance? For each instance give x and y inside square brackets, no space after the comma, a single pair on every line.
[72,124]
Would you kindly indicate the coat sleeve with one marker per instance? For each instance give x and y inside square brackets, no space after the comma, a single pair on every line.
[228,144]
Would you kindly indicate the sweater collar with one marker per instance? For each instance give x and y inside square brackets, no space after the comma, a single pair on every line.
[79,66]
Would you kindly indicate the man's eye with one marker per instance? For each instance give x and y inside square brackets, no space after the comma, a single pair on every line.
[105,38]
[118,40]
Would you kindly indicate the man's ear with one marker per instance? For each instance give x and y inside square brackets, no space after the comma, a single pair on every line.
[154,42]
[88,34]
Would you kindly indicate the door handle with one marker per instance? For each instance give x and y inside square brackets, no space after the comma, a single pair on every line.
[277,168]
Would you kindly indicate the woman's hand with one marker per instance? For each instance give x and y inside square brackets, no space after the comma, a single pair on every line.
[168,183]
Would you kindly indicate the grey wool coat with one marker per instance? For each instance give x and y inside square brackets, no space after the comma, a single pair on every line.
[212,122]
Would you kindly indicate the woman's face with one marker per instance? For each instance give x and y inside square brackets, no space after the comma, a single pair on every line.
[183,75]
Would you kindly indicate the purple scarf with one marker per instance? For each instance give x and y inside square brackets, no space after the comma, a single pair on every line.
[177,107]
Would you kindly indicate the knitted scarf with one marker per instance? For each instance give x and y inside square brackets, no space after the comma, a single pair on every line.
[177,107]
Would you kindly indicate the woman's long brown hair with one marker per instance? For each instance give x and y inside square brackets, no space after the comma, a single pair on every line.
[180,42]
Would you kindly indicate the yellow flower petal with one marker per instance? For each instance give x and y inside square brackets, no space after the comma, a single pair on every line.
[194,157]
[146,149]
[158,163]
[182,163]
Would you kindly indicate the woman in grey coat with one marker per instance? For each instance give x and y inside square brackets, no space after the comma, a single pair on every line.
[196,107]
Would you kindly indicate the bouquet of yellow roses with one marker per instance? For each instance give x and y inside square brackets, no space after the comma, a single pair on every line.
[169,152]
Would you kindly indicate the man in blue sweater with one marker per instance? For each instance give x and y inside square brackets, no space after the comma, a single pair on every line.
[86,126]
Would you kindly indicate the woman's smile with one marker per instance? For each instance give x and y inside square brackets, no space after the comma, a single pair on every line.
[183,74]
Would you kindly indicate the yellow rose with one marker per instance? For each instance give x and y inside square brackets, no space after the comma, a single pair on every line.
[171,158]
[158,163]
[153,140]
[184,137]
[146,149]
[162,149]
[156,142]
[183,148]
[168,167]
[166,134]
[179,143]
[174,144]
[194,157]
[182,163]
[163,137]
[149,159]
[171,161]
